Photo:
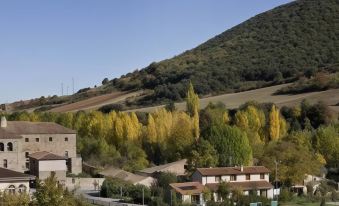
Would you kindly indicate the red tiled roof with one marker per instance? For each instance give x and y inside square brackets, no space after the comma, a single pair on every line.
[46,156]
[186,188]
[248,185]
[232,170]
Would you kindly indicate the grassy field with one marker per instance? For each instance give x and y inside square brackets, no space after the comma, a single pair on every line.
[330,97]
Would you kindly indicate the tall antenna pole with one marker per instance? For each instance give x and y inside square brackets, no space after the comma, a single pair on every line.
[62,89]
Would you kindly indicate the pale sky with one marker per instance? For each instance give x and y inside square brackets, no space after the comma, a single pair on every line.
[44,43]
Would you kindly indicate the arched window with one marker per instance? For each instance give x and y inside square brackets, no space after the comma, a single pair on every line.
[22,189]
[2,147]
[9,146]
[11,189]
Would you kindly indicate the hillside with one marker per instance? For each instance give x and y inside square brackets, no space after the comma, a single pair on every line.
[278,46]
[273,47]
[262,95]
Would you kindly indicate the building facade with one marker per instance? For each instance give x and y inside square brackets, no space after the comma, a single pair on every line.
[253,179]
[249,180]
[43,164]
[19,139]
[14,182]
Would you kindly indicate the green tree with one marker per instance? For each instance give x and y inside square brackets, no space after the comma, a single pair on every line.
[327,143]
[224,191]
[294,161]
[202,154]
[232,145]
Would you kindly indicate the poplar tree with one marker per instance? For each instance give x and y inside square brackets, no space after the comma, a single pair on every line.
[193,107]
[274,123]
[151,130]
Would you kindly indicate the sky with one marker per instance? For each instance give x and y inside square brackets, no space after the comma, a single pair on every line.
[44,43]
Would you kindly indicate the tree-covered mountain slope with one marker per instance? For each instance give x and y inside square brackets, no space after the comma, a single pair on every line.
[276,46]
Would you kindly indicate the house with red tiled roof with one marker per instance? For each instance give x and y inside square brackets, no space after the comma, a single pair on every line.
[250,180]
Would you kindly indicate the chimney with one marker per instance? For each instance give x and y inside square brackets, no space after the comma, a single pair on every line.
[3,122]
[241,168]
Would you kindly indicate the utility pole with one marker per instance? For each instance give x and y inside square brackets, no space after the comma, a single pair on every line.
[143,196]
[276,176]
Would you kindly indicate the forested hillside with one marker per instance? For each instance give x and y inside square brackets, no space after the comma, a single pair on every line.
[276,46]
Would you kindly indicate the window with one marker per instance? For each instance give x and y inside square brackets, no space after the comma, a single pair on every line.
[233,178]
[9,146]
[11,189]
[37,139]
[66,139]
[2,147]
[248,177]
[5,163]
[66,153]
[26,154]
[22,189]
[217,178]
[26,140]
[27,165]
[50,139]
[262,176]
[263,193]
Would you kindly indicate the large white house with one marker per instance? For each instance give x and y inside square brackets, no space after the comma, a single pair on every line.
[254,179]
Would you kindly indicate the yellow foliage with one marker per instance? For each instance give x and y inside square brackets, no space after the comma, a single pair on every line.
[226,117]
[151,130]
[274,127]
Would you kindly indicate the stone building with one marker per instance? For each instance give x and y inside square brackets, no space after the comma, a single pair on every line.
[19,139]
[42,164]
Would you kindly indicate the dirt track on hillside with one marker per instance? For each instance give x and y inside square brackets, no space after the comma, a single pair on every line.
[95,102]
[234,100]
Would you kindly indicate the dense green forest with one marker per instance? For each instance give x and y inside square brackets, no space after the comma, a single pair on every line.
[273,47]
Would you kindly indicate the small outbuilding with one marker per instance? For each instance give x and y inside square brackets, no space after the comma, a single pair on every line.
[42,164]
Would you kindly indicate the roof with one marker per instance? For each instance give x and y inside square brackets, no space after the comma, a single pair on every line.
[232,170]
[165,167]
[188,188]
[122,174]
[247,185]
[10,175]
[15,129]
[46,156]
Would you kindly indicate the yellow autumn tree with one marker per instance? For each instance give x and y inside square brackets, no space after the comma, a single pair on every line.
[193,106]
[226,117]
[192,101]
[151,130]
[274,123]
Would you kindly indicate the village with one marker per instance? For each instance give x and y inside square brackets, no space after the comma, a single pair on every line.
[37,150]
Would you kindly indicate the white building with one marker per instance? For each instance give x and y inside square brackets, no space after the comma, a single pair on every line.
[249,180]
[14,182]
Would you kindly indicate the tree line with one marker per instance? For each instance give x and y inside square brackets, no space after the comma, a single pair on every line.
[304,136]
